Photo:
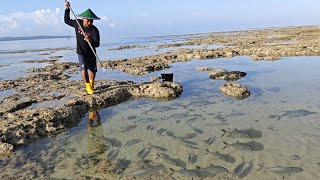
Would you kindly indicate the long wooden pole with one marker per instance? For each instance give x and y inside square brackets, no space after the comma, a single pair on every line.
[83,33]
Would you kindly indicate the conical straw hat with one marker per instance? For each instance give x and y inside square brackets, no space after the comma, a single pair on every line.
[88,14]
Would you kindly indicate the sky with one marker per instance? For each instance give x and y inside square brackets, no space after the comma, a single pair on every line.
[129,18]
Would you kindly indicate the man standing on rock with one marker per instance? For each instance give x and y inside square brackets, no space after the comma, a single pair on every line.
[86,57]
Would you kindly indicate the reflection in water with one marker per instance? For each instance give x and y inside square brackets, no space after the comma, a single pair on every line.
[95,134]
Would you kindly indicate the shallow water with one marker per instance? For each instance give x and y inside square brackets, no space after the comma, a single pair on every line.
[13,61]
[283,109]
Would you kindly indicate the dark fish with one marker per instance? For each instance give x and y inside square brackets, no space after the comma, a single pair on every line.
[222,157]
[200,103]
[235,114]
[158,147]
[239,168]
[147,171]
[189,136]
[170,133]
[178,116]
[217,155]
[253,133]
[238,146]
[132,142]
[255,146]
[162,109]
[235,134]
[188,142]
[246,171]
[180,163]
[192,158]
[214,170]
[296,113]
[167,159]
[281,170]
[203,173]
[113,154]
[176,162]
[192,120]
[112,142]
[188,173]
[126,129]
[144,153]
[189,146]
[151,127]
[160,131]
[197,130]
[210,140]
[274,116]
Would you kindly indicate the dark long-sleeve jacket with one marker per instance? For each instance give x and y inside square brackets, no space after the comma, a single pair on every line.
[92,32]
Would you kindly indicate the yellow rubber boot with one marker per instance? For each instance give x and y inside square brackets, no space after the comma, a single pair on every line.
[91,84]
[89,89]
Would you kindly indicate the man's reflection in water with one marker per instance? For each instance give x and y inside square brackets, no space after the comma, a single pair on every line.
[95,134]
[94,119]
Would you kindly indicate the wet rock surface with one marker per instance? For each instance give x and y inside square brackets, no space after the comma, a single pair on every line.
[228,76]
[254,43]
[235,90]
[48,102]
[127,47]
[5,149]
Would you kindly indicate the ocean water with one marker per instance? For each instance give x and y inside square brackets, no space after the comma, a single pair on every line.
[279,123]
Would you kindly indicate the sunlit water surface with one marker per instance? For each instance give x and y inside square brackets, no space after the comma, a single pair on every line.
[283,109]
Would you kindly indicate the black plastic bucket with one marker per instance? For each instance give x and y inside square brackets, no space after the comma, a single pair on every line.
[167,77]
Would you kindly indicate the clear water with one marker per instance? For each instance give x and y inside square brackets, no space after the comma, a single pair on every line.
[280,91]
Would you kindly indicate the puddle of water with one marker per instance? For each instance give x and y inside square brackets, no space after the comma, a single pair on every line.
[280,120]
[279,43]
[6,93]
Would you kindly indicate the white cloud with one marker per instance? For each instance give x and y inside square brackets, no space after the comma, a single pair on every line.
[39,22]
[104,18]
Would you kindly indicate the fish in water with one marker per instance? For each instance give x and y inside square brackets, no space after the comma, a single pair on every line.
[238,146]
[247,170]
[222,157]
[197,130]
[132,142]
[214,170]
[144,153]
[160,131]
[296,113]
[113,154]
[239,168]
[170,133]
[188,142]
[280,170]
[176,162]
[161,109]
[151,127]
[189,136]
[210,140]
[235,134]
[112,142]
[192,158]
[147,171]
[126,129]
[190,146]
[188,173]
[159,148]
[200,103]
